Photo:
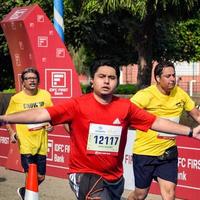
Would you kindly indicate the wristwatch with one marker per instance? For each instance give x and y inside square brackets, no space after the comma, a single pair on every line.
[190,133]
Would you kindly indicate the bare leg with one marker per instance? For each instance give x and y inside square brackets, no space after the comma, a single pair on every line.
[138,194]
[167,189]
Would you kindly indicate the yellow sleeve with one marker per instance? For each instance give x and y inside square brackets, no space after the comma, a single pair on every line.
[11,106]
[141,98]
[49,103]
[189,103]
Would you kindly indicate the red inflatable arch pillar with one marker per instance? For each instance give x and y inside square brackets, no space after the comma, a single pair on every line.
[33,41]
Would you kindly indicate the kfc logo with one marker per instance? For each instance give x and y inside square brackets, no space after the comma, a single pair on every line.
[42,41]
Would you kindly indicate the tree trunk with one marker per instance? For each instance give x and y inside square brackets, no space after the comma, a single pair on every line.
[144,47]
[144,67]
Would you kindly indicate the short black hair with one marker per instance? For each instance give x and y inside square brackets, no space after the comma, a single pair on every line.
[30,70]
[102,62]
[159,68]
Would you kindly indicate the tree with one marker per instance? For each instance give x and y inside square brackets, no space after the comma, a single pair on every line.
[142,27]
[131,31]
[80,59]
[186,36]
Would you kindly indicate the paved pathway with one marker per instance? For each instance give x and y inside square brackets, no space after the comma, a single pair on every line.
[52,188]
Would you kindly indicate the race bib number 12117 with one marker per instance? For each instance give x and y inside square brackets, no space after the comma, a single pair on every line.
[104,139]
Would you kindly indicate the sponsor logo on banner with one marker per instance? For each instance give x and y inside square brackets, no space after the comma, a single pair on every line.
[30,56]
[189,167]
[4,140]
[188,170]
[44,59]
[51,32]
[31,25]
[50,150]
[128,162]
[40,18]
[59,82]
[42,41]
[17,14]
[60,52]
[57,151]
[19,82]
[13,26]
[17,59]
[4,146]
[21,45]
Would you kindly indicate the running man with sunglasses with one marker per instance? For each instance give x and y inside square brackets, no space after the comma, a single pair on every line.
[31,138]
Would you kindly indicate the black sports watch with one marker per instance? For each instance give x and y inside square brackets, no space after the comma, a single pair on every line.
[190,133]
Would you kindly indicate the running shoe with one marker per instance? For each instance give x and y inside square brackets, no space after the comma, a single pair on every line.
[21,193]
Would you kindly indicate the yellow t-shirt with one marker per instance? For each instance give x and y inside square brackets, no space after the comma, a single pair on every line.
[171,107]
[30,141]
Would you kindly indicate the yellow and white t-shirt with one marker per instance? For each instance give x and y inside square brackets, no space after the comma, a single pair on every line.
[170,107]
[31,140]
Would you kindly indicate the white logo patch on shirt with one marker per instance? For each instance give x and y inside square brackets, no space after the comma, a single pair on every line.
[116,121]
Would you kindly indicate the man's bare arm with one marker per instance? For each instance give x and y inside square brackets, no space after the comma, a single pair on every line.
[36,115]
[168,126]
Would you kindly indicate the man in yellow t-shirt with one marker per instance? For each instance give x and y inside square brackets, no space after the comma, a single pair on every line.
[32,138]
[155,154]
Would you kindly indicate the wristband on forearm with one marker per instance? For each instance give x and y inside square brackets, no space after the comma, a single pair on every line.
[190,133]
[3,123]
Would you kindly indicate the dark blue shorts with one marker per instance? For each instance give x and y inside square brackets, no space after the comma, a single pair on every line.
[39,160]
[147,168]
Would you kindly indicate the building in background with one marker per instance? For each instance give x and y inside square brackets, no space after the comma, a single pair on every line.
[188,76]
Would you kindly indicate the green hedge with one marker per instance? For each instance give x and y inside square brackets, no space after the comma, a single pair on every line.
[9,91]
[121,89]
[86,88]
[126,89]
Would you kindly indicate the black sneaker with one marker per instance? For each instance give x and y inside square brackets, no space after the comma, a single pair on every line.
[21,193]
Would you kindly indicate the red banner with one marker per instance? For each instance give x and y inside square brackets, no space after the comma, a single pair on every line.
[58,153]
[34,42]
[4,146]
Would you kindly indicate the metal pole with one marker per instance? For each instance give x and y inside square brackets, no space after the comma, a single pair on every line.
[58,18]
